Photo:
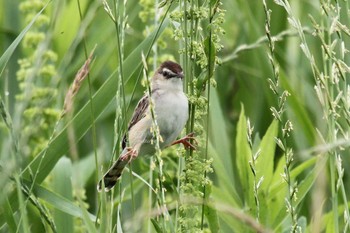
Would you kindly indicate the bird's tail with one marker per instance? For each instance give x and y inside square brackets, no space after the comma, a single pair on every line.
[112,175]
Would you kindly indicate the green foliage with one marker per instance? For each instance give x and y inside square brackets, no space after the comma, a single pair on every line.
[268,86]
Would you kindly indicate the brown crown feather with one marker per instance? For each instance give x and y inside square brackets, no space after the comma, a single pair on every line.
[173,66]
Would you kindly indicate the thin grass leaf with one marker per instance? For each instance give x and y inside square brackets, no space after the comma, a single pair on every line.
[44,213]
[156,226]
[103,213]
[209,49]
[23,225]
[8,122]
[119,226]
[9,51]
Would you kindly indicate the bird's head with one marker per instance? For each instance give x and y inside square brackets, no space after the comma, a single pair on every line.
[168,76]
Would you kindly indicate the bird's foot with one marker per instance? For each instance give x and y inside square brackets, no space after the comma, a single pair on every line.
[186,141]
[129,155]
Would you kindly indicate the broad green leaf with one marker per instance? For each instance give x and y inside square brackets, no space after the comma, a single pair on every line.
[46,160]
[9,216]
[243,158]
[265,162]
[304,187]
[302,117]
[264,170]
[69,23]
[62,185]
[82,171]
[276,204]
[220,138]
[277,187]
[219,149]
[213,219]
[211,213]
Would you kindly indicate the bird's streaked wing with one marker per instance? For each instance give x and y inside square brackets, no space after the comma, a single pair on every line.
[139,113]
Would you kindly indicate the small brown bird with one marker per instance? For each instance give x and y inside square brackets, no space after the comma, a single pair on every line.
[171,114]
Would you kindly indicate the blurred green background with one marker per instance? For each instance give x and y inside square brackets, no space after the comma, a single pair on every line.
[319,139]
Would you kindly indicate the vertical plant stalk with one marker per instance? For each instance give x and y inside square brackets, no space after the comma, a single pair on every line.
[22,207]
[185,62]
[92,111]
[285,125]
[8,122]
[147,53]
[158,138]
[333,92]
[151,162]
[210,72]
[199,38]
[331,89]
[118,17]
[93,126]
[252,164]
[119,26]
[30,68]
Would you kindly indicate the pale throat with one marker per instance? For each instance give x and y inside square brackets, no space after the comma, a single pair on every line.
[174,84]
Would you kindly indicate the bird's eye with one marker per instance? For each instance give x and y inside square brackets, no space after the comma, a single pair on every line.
[166,73]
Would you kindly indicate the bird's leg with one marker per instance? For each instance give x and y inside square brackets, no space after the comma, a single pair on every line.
[186,141]
[129,155]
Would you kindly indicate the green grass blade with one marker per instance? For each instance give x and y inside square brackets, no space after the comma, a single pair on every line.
[219,149]
[9,51]
[62,185]
[265,165]
[86,218]
[57,201]
[243,156]
[211,213]
[156,226]
[8,214]
[23,225]
[220,138]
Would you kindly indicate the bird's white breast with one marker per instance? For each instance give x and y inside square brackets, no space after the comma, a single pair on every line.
[171,108]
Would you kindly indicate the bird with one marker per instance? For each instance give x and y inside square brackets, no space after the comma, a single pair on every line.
[170,106]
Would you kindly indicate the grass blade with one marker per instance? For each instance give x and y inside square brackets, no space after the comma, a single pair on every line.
[9,51]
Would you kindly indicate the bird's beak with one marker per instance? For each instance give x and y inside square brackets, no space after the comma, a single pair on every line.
[181,75]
